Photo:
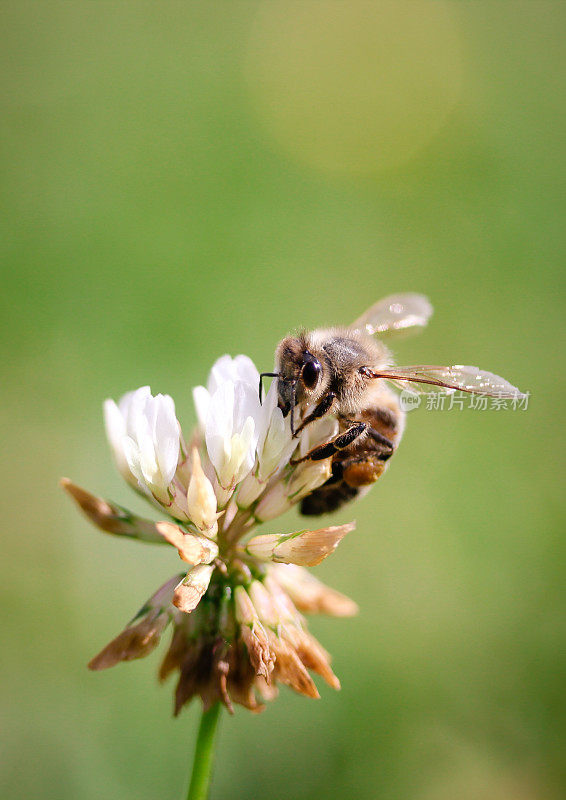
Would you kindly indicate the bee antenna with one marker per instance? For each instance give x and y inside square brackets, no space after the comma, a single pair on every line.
[261,377]
[293,403]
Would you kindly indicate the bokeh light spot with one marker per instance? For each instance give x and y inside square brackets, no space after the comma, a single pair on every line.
[353,88]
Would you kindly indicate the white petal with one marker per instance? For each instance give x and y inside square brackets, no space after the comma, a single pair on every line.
[273,503]
[114,424]
[219,424]
[132,405]
[201,500]
[232,370]
[243,450]
[125,401]
[246,405]
[142,435]
[278,445]
[166,437]
[132,454]
[264,417]
[201,398]
[247,371]
[319,432]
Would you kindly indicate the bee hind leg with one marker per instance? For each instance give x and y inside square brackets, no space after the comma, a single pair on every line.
[387,447]
[363,470]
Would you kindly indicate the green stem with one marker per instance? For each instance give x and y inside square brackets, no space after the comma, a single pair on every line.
[204,754]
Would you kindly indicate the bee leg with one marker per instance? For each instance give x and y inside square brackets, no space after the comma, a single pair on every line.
[334,445]
[362,471]
[318,411]
[382,440]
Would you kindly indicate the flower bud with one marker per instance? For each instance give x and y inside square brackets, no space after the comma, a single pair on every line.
[188,593]
[250,489]
[307,477]
[193,549]
[273,503]
[245,611]
[201,500]
[263,604]
[306,548]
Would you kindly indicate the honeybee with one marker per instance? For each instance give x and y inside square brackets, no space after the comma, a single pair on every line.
[345,372]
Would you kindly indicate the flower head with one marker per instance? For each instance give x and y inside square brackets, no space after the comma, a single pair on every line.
[235,613]
[144,435]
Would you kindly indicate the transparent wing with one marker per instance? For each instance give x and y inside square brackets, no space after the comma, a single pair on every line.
[450,379]
[395,313]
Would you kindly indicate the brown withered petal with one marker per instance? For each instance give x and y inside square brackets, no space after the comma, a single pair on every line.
[285,607]
[289,668]
[175,654]
[187,598]
[136,641]
[311,653]
[266,691]
[309,548]
[215,688]
[110,517]
[242,679]
[255,637]
[189,592]
[194,669]
[311,595]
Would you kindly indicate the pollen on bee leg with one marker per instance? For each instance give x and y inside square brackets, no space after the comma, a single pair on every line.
[363,473]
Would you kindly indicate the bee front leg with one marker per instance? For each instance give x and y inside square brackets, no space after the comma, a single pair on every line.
[318,411]
[334,445]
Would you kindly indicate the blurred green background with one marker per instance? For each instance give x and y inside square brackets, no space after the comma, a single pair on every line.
[184,180]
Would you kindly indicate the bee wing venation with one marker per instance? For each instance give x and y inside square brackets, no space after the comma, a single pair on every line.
[451,379]
[395,313]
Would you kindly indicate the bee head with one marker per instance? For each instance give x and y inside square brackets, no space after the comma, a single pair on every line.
[299,373]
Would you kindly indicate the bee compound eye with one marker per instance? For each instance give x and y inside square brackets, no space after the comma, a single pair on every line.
[311,373]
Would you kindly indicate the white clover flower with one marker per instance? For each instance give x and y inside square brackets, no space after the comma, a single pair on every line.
[144,435]
[116,419]
[275,442]
[225,370]
[231,432]
[274,448]
[235,610]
